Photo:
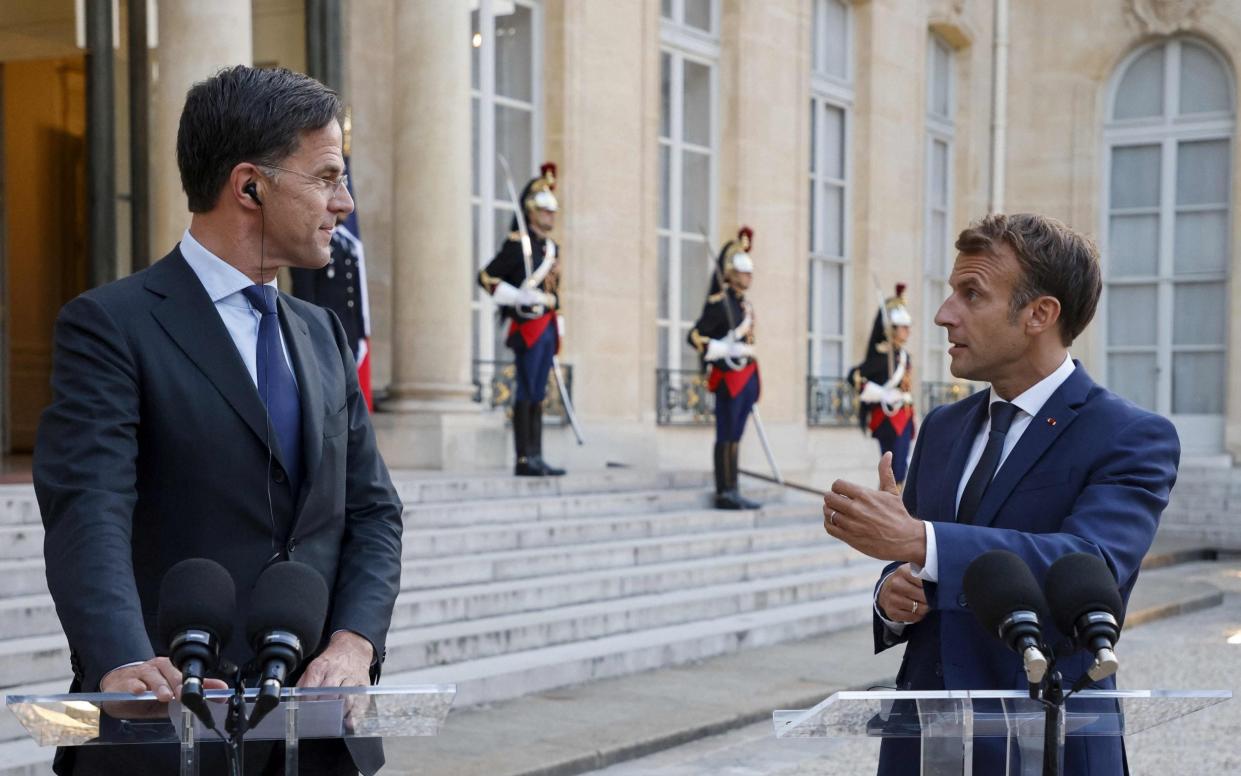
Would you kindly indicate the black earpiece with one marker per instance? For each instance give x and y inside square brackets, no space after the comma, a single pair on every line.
[252,189]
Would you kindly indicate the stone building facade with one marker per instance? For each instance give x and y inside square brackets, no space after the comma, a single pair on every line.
[855,138]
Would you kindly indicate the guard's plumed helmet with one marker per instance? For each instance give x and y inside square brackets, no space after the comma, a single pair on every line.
[736,254]
[540,192]
[898,313]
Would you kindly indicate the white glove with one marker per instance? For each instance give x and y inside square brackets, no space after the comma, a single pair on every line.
[740,350]
[718,349]
[895,397]
[872,393]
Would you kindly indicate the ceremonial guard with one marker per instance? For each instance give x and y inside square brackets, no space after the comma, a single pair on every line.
[724,337]
[340,286]
[883,383]
[528,298]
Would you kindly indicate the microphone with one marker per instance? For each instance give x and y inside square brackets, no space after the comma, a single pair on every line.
[1086,603]
[1007,601]
[285,624]
[196,604]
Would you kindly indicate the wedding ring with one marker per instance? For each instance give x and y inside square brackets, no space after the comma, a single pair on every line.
[832,517]
[914,609]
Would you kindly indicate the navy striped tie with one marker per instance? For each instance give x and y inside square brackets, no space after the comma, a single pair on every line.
[276,385]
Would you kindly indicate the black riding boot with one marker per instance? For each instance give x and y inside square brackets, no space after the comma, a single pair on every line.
[536,442]
[725,497]
[734,450]
[521,441]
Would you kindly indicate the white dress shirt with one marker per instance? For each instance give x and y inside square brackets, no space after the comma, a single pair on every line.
[224,283]
[1028,405]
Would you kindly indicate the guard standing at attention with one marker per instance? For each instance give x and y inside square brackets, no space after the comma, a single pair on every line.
[724,337]
[528,299]
[883,382]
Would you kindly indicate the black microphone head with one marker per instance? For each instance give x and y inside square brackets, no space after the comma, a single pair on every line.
[998,583]
[289,596]
[197,594]
[1080,583]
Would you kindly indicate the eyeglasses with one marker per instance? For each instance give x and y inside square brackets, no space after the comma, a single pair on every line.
[333,187]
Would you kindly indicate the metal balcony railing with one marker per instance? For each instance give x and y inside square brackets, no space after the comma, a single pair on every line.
[495,385]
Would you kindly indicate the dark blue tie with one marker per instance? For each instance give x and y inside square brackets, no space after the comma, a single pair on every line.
[276,385]
[1002,414]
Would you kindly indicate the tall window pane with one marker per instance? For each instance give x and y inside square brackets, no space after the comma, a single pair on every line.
[505,75]
[831,101]
[937,204]
[686,169]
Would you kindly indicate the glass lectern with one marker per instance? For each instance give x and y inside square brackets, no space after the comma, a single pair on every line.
[88,719]
[949,721]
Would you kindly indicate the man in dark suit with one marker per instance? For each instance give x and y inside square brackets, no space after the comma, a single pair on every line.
[1044,463]
[199,413]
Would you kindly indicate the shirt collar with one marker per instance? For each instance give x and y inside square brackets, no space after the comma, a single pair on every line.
[220,278]
[1034,397]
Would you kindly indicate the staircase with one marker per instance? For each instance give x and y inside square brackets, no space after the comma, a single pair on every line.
[512,586]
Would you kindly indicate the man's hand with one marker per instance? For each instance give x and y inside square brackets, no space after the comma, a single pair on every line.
[157,675]
[875,522]
[345,663]
[902,598]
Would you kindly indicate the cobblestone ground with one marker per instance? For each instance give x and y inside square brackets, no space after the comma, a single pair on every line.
[1186,652]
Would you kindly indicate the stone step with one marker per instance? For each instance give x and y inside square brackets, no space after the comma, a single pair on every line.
[23,757]
[517,564]
[32,614]
[467,602]
[35,614]
[23,576]
[460,641]
[611,516]
[534,508]
[519,673]
[18,505]
[33,659]
[438,542]
[428,487]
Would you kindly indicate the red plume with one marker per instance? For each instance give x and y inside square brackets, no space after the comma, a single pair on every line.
[548,170]
[900,289]
[746,237]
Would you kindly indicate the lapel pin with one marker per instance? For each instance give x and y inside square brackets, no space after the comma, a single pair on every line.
[1051,421]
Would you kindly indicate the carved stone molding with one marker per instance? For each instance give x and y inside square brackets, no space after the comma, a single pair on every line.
[1164,17]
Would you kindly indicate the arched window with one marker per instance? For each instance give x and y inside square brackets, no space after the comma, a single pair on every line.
[1166,247]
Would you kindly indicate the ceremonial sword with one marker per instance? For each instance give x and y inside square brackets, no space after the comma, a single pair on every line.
[732,325]
[526,252]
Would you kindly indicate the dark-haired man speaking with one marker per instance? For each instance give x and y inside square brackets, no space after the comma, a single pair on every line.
[1044,463]
[199,413]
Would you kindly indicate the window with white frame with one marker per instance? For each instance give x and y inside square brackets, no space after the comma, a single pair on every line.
[688,68]
[831,98]
[937,216]
[1167,248]
[506,76]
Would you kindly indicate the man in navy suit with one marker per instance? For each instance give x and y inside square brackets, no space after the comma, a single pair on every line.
[1044,463]
[197,412]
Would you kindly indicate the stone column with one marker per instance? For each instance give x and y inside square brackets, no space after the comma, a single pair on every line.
[430,418]
[195,40]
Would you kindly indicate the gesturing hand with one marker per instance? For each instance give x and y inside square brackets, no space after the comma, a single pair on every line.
[875,522]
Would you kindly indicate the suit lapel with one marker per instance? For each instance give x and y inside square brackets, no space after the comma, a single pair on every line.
[310,388]
[1038,437]
[191,320]
[976,416]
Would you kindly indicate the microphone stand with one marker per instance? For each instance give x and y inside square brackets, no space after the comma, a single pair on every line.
[236,726]
[1053,722]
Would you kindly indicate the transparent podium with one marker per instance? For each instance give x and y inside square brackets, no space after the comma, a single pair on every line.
[948,722]
[91,719]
